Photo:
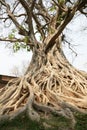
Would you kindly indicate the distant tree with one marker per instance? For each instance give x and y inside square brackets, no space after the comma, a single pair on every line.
[51,85]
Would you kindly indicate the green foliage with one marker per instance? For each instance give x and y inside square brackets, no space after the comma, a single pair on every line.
[26,39]
[23,46]
[60,19]
[52,8]
[11,36]
[16,47]
[61,1]
[52,31]
[28,48]
[40,38]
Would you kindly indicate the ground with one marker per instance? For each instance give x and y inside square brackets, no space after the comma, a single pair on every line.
[60,123]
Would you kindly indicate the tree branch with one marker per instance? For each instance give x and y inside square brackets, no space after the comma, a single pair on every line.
[16,40]
[29,8]
[70,14]
[39,26]
[21,29]
[52,39]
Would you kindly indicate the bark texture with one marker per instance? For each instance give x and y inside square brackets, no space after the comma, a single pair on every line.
[50,86]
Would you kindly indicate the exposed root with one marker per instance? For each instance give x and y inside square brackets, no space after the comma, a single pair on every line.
[56,88]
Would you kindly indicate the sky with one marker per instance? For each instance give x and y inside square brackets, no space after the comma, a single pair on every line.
[14,63]
[77,35]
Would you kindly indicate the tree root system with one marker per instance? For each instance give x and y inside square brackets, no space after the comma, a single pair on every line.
[56,88]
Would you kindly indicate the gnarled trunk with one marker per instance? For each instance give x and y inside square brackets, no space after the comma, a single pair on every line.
[51,86]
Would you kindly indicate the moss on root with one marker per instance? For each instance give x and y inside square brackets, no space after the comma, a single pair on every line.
[52,123]
[26,124]
[81,122]
[21,123]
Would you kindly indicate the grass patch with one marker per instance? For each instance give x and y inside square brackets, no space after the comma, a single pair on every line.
[81,122]
[22,123]
[56,123]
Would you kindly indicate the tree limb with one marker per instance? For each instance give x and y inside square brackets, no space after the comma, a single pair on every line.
[70,14]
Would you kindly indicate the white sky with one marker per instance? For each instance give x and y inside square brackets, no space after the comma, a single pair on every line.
[10,61]
[78,37]
[13,63]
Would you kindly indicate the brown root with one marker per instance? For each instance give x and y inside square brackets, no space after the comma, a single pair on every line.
[55,88]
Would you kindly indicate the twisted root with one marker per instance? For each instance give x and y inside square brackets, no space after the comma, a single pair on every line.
[56,88]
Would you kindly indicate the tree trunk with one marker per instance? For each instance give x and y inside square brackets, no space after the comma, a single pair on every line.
[51,87]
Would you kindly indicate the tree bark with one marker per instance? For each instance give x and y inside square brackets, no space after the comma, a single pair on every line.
[51,87]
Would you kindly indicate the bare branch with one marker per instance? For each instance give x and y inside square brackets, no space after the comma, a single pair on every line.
[39,27]
[69,15]
[28,6]
[16,40]
[15,6]
[42,11]
[70,46]
[68,18]
[11,40]
[22,31]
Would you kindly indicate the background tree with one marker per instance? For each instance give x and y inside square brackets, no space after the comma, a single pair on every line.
[51,86]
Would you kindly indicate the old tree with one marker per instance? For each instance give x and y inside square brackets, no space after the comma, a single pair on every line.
[51,85]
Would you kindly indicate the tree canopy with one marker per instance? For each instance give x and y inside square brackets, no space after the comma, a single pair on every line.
[38,20]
